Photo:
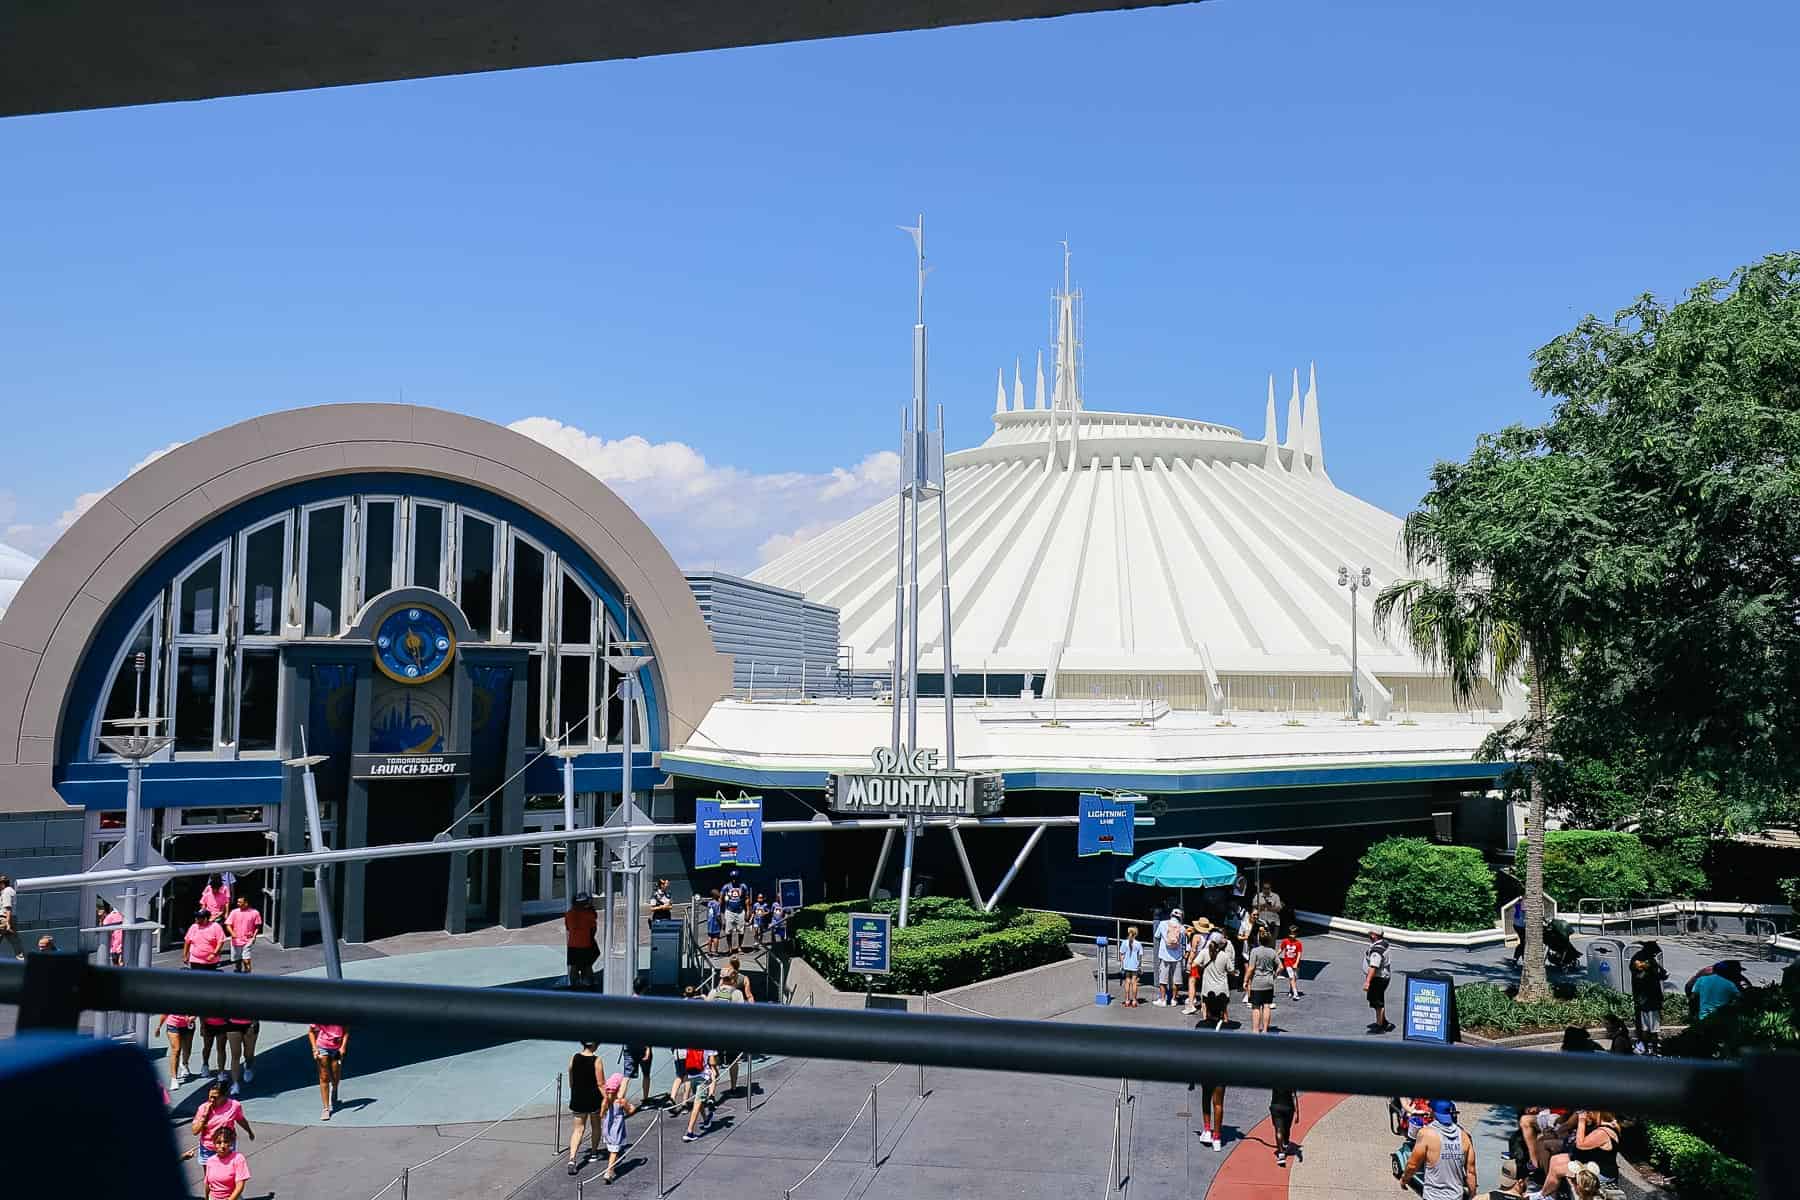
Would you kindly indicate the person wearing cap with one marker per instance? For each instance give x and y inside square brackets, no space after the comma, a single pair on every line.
[204,939]
[1647,977]
[579,924]
[1443,1157]
[1196,942]
[1171,945]
[1716,986]
[1218,964]
[1378,965]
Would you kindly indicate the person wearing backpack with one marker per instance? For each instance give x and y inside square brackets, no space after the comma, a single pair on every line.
[1377,967]
[1171,946]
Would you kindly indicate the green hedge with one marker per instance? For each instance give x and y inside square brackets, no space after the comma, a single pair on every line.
[1491,1011]
[1602,863]
[1696,1167]
[1412,883]
[947,943]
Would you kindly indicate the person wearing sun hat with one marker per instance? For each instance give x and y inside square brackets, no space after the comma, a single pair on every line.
[1196,942]
[1443,1157]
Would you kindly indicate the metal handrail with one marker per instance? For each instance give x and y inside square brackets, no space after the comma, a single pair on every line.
[53,989]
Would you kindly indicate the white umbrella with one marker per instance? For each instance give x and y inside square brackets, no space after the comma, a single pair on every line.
[1260,853]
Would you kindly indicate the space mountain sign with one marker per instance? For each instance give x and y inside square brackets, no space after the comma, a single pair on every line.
[909,781]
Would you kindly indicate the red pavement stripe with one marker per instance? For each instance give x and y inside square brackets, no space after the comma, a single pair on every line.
[1249,1171]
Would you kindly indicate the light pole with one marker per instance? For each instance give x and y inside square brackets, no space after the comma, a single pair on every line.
[1355,583]
[625,659]
[134,747]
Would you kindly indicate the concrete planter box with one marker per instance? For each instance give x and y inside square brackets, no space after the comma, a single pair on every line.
[1038,992]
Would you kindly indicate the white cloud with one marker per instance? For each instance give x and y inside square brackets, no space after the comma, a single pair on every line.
[710,515]
[15,565]
[38,538]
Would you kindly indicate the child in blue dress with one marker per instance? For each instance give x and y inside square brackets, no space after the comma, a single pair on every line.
[778,921]
[712,923]
[759,918]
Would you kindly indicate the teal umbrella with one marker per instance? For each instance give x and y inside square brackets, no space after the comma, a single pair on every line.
[1180,867]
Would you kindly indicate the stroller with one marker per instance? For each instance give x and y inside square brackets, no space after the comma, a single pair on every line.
[1406,1116]
[1559,948]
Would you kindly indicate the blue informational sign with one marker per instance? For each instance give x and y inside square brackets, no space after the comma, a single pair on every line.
[1106,824]
[788,892]
[1430,1009]
[728,832]
[871,944]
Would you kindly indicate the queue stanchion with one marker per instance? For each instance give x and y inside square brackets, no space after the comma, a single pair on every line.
[557,1144]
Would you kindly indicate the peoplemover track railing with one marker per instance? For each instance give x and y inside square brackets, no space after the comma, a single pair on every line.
[53,990]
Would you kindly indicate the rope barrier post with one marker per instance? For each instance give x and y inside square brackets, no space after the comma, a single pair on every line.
[921,1081]
[874,1125]
[557,1144]
[405,1182]
[660,1192]
[580,1189]
[1112,1155]
[749,1081]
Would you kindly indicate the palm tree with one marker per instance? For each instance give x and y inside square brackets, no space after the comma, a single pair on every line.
[1460,623]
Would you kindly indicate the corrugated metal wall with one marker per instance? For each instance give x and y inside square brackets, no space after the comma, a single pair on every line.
[781,643]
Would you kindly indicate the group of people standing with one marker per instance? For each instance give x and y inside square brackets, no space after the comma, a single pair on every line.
[1209,959]
[734,910]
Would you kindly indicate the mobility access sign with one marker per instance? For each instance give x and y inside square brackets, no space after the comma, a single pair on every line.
[1430,1009]
[728,832]
[871,943]
[1106,825]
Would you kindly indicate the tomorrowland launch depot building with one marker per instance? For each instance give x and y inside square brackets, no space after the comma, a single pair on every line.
[1139,603]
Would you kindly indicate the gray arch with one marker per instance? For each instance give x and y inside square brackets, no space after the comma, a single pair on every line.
[51,623]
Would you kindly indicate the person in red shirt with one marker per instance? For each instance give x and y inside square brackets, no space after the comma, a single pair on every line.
[244,924]
[203,942]
[329,1043]
[579,924]
[1289,950]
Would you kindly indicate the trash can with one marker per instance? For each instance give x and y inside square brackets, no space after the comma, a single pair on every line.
[1606,964]
[665,954]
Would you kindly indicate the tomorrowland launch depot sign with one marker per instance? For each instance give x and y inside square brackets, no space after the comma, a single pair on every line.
[910,782]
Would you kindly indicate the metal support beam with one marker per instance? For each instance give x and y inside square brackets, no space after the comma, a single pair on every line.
[881,860]
[906,865]
[1006,880]
[962,855]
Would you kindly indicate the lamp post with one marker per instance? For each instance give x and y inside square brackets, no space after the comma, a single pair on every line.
[624,657]
[1355,583]
[134,747]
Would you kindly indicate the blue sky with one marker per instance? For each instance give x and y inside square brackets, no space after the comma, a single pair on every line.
[700,252]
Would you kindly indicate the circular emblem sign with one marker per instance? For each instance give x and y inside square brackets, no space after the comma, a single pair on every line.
[413,644]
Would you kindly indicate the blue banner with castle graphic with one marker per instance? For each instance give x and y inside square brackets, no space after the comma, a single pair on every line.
[728,832]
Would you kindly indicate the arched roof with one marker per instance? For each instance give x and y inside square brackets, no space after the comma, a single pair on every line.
[47,630]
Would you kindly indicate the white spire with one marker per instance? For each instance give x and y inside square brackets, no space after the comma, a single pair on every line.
[1018,389]
[1271,454]
[1315,441]
[1000,391]
[1040,381]
[1296,430]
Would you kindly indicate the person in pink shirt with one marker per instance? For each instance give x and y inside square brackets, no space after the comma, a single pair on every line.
[108,915]
[244,923]
[226,1171]
[329,1043]
[218,1112]
[215,897]
[181,1046]
[204,941]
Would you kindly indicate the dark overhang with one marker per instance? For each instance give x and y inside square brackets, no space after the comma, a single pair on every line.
[61,55]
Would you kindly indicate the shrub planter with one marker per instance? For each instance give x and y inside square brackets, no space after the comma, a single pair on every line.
[949,943]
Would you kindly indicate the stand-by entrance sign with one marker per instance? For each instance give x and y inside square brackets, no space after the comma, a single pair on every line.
[871,943]
[1430,1009]
[728,832]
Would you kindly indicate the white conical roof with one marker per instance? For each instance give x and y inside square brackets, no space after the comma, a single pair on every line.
[1171,546]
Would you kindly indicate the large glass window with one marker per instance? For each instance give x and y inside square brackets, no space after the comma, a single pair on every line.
[428,546]
[577,627]
[527,592]
[200,596]
[574,672]
[265,573]
[324,571]
[196,692]
[257,699]
[130,694]
[378,547]
[475,583]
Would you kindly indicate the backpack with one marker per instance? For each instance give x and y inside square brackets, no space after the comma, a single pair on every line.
[696,1060]
[1172,931]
